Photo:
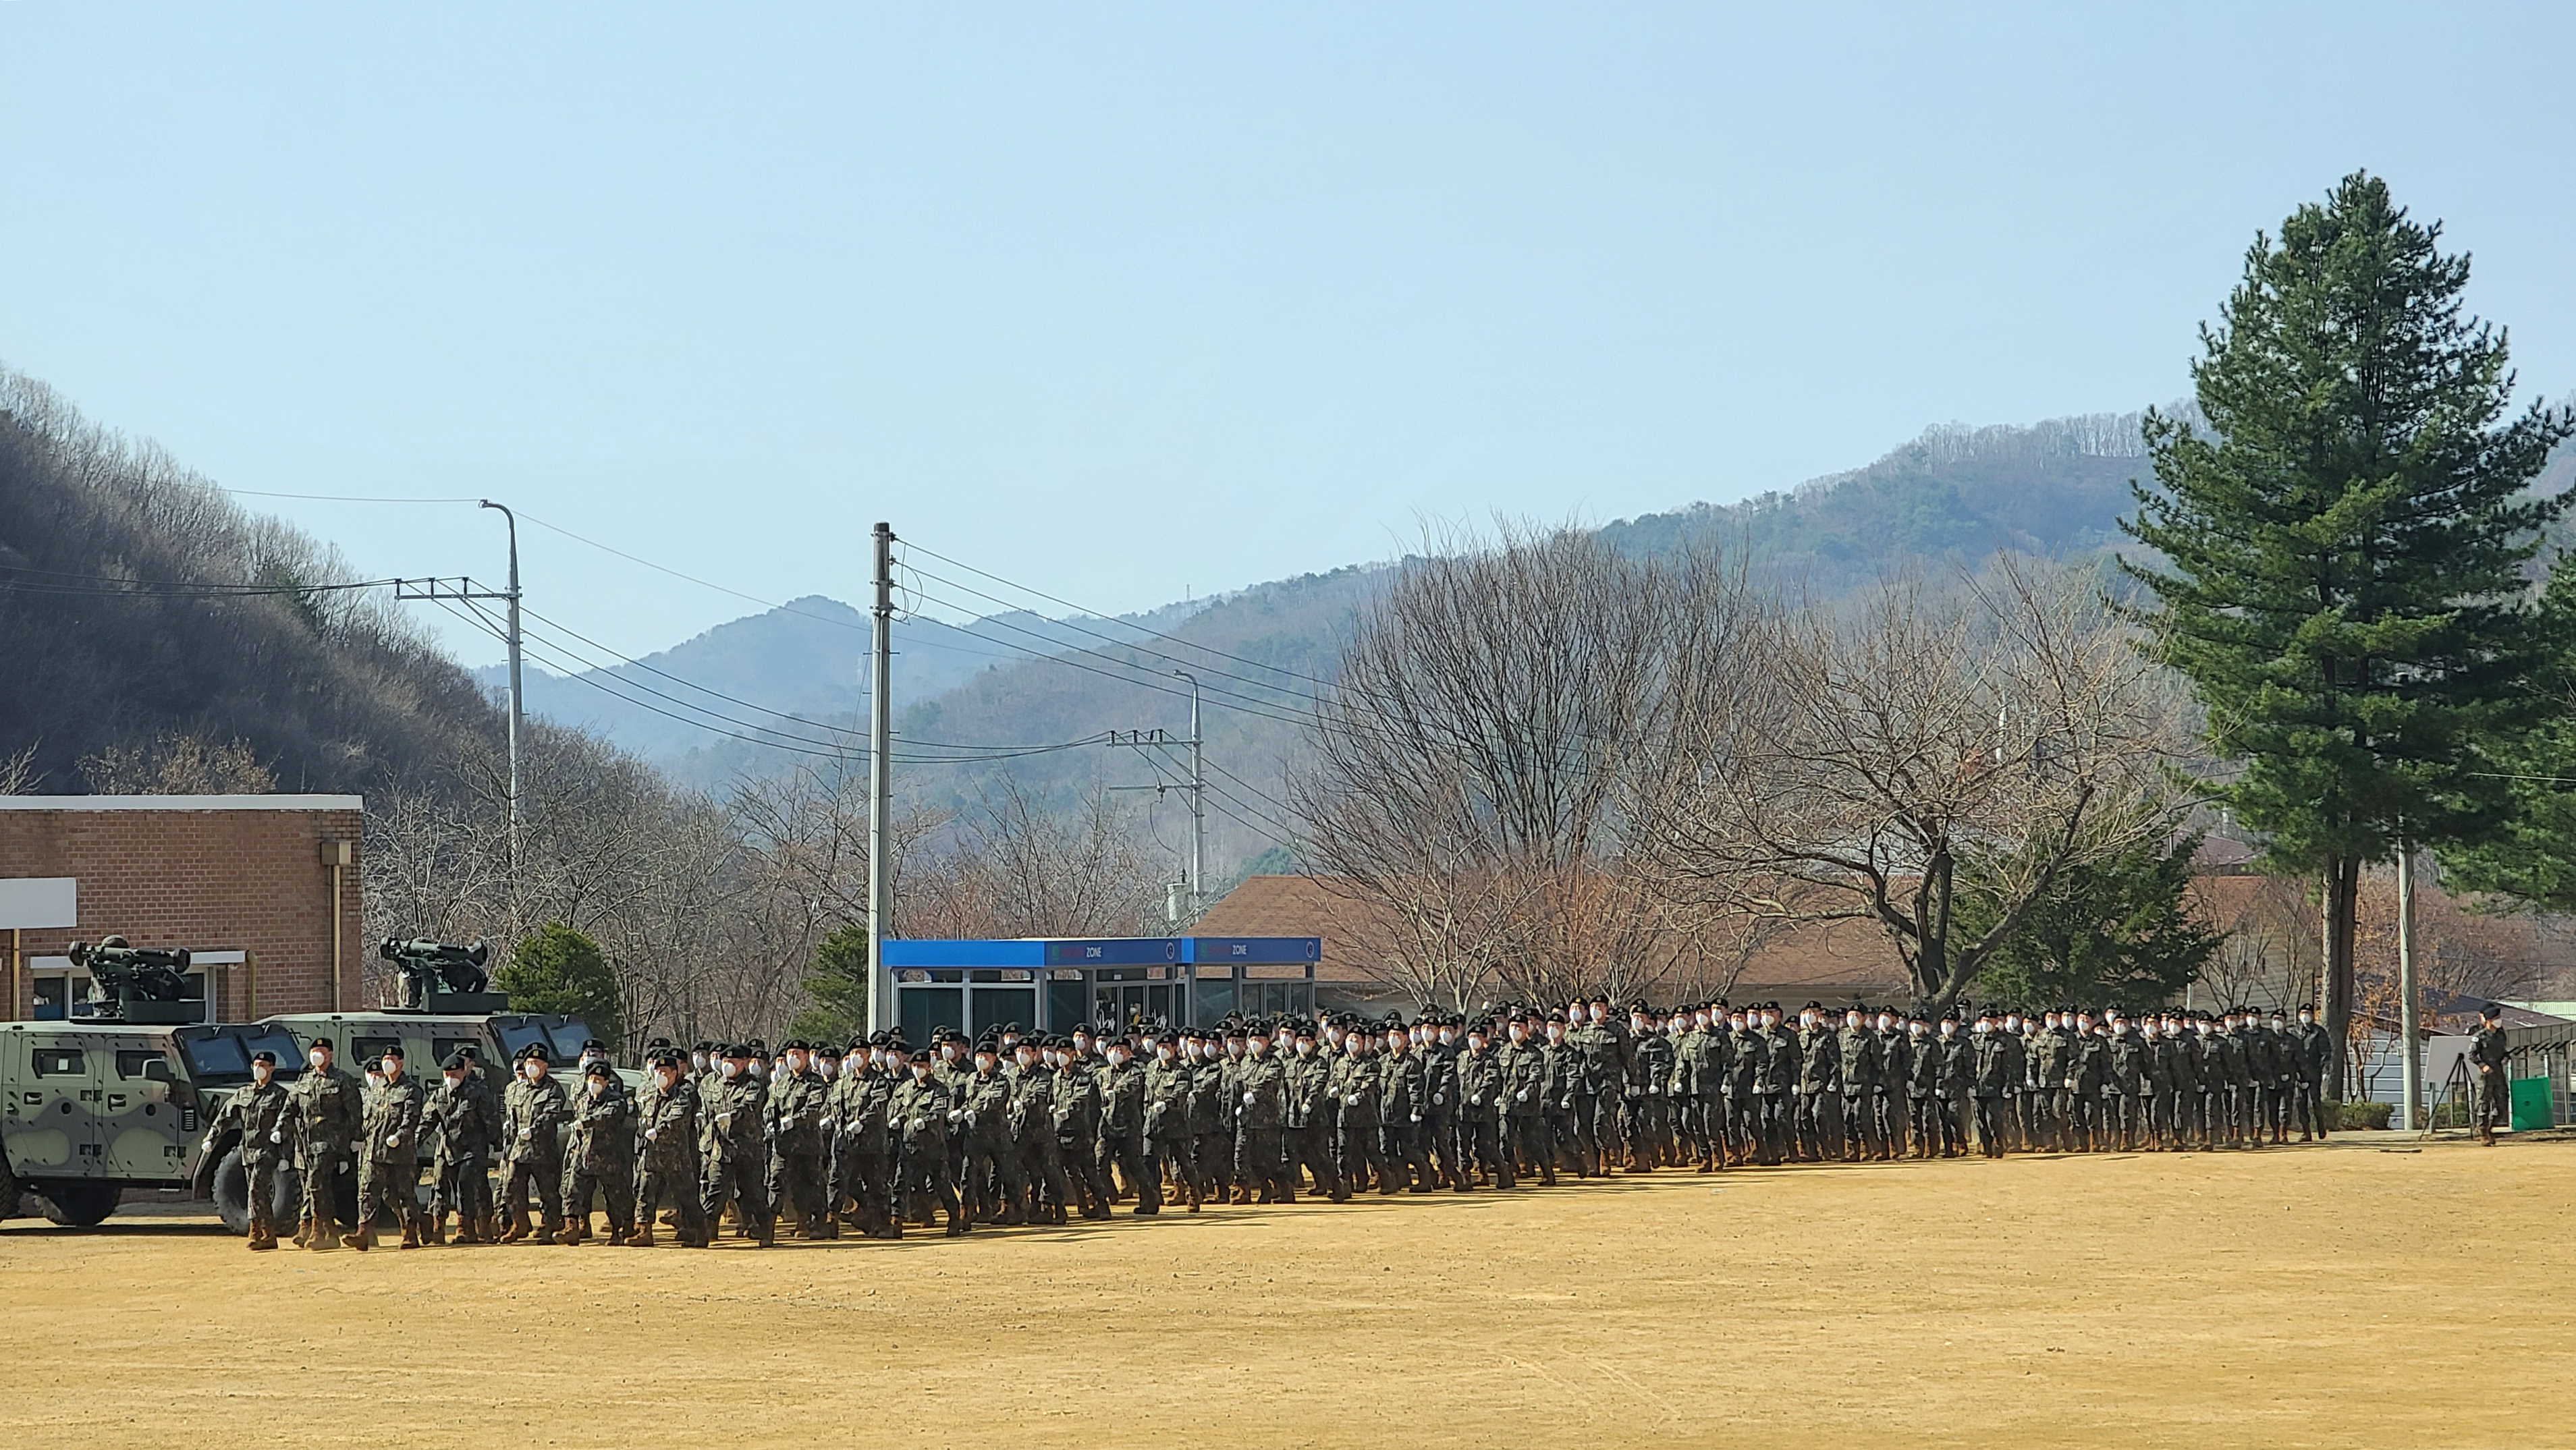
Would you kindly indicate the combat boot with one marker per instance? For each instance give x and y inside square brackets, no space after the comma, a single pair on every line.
[436,1233]
[959,1227]
[491,1227]
[262,1236]
[363,1237]
[466,1225]
[303,1232]
[576,1228]
[1242,1194]
[766,1236]
[518,1228]
[1547,1175]
[545,1233]
[326,1235]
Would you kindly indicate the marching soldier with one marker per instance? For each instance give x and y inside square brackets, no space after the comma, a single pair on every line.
[1991,1061]
[666,1121]
[795,1108]
[1260,1123]
[920,1112]
[600,1157]
[1032,1123]
[1857,1060]
[265,1115]
[1523,1066]
[2125,1081]
[328,1111]
[389,1156]
[1170,1142]
[1927,1075]
[2311,1054]
[736,1167]
[1122,1128]
[466,1120]
[1309,1140]
[1650,1077]
[534,1113]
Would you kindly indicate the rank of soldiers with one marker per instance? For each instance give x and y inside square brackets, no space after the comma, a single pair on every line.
[1013,1128]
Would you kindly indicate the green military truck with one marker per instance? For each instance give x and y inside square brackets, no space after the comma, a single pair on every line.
[96,1107]
[93,1108]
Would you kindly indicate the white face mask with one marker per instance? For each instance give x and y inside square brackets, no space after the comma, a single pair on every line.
[2307,1019]
[758,1068]
[1162,1053]
[1260,1046]
[697,1062]
[1949,1029]
[663,1080]
[831,1066]
[1519,1034]
[259,1071]
[1305,1047]
[1594,1014]
[921,1072]
[596,1086]
[392,1067]
[455,1080]
[532,1071]
[1555,1033]
[732,1069]
[318,1058]
[1984,1027]
[795,1062]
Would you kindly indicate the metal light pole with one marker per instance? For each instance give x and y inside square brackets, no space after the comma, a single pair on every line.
[517,706]
[2411,1074]
[880,777]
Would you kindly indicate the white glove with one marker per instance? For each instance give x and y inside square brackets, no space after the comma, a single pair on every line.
[956,1115]
[354,1145]
[1350,1100]
[274,1135]
[1652,1090]
[917,1125]
[1417,1117]
[651,1133]
[1477,1101]
[1565,1102]
[724,1122]
[1522,1096]
[1247,1099]
[827,1125]
[1438,1098]
[393,1140]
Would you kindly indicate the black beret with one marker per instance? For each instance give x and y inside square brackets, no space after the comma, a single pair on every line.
[602,1069]
[2491,1010]
[536,1050]
[589,1043]
[264,1055]
[1013,1029]
[739,1049]
[392,1049]
[703,1046]
[322,1042]
[457,1061]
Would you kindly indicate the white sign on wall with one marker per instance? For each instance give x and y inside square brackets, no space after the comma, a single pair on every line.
[31,903]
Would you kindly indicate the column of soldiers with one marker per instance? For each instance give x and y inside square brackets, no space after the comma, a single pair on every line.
[1015,1128]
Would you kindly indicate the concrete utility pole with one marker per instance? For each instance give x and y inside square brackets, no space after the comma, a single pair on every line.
[880,777]
[2411,1077]
[1198,802]
[518,709]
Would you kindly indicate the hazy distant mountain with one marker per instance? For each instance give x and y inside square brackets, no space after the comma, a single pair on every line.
[1953,494]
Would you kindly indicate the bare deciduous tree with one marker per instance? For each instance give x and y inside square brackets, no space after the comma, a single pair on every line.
[1874,767]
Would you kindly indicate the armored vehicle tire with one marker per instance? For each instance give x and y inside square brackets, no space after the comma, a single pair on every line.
[232,1194]
[78,1203]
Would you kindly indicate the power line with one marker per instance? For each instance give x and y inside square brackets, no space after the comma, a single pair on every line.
[338,497]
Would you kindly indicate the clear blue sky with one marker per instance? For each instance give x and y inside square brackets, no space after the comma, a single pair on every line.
[1119,300]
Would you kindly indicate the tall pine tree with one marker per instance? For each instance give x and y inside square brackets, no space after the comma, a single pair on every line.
[2343,546]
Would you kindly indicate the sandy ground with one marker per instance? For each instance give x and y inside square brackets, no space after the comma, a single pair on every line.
[2350,1294]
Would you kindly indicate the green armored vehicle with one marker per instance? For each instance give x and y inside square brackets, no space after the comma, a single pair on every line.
[100,1105]
[95,1107]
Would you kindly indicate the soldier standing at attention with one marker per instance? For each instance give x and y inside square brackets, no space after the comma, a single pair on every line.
[1561,1089]
[1650,1079]
[465,1123]
[920,1116]
[1926,1073]
[2311,1053]
[2125,1079]
[1211,1114]
[600,1158]
[327,1114]
[1357,1083]
[1893,1115]
[1077,1128]
[736,1170]
[533,1115]
[795,1110]
[389,1160]
[862,1154]
[265,1116]
[1991,1066]
[1439,1099]
[2489,1053]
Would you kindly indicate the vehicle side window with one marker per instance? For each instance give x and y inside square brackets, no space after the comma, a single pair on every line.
[441,1048]
[60,1062]
[131,1063]
[371,1050]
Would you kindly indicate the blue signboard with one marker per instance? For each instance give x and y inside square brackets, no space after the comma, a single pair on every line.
[1105,951]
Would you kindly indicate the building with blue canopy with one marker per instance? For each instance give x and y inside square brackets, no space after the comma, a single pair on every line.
[1050,984]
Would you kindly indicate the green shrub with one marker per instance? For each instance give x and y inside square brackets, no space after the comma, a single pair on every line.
[2348,1117]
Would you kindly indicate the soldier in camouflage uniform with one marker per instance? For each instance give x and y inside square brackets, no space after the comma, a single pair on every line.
[731,1139]
[1170,1145]
[919,1113]
[1033,1136]
[1856,1069]
[465,1121]
[1309,1131]
[1122,1127]
[1261,1116]
[793,1110]
[1523,1068]
[1211,1113]
[389,1156]
[1480,1110]
[265,1116]
[666,1122]
[855,1117]
[534,1114]
[328,1110]
[599,1157]
[2490,1059]
[1077,1128]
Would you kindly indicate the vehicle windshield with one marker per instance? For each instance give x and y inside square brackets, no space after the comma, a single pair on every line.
[517,1035]
[569,1038]
[222,1059]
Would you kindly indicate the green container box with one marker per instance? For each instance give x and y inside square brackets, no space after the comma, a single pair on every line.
[2531,1104]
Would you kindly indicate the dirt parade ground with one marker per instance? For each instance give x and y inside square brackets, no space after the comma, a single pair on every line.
[2362,1293]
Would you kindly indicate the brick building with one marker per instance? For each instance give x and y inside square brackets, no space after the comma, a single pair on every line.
[261,889]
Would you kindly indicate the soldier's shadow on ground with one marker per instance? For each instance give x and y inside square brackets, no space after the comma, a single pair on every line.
[139,1229]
